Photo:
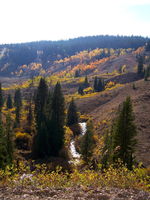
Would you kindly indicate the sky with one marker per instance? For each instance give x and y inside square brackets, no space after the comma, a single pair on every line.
[35,20]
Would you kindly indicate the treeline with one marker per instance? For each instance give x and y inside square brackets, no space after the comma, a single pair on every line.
[98,86]
[40,118]
[46,52]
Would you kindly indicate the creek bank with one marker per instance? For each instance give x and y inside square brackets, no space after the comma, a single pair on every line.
[75,155]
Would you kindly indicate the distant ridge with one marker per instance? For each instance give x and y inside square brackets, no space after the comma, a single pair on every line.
[14,57]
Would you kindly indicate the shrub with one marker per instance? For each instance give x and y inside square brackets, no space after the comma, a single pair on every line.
[23,140]
[42,178]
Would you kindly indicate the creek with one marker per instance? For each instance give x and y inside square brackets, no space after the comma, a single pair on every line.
[75,155]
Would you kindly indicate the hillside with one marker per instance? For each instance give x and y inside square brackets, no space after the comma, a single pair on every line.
[47,57]
[102,108]
[55,126]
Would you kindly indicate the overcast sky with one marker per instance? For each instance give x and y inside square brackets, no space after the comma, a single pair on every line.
[34,20]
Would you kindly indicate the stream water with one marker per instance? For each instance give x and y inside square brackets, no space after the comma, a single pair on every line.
[83,127]
[76,156]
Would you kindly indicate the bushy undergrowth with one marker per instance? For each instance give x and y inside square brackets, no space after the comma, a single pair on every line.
[42,178]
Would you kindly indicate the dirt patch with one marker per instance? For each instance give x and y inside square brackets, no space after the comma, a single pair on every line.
[76,193]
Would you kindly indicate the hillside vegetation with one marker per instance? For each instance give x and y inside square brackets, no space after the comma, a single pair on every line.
[40,58]
[105,87]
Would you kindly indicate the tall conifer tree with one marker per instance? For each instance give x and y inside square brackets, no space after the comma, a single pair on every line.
[148,46]
[17,117]
[140,65]
[29,116]
[3,147]
[18,98]
[86,83]
[9,139]
[9,102]
[88,143]
[123,141]
[1,97]
[100,85]
[95,84]
[124,134]
[80,90]
[56,137]
[40,143]
[72,116]
[18,105]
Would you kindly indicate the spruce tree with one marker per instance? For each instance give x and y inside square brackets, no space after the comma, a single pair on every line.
[1,97]
[88,143]
[9,139]
[80,90]
[140,65]
[100,85]
[95,84]
[9,102]
[18,98]
[3,146]
[148,46]
[56,136]
[124,132]
[17,117]
[107,150]
[49,107]
[29,116]
[77,73]
[147,73]
[72,116]
[18,105]
[86,83]
[49,122]
[40,141]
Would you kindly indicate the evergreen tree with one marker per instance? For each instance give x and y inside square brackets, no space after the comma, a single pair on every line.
[95,84]
[86,83]
[1,97]
[100,85]
[49,107]
[80,90]
[17,117]
[56,136]
[9,102]
[3,147]
[29,116]
[88,143]
[40,142]
[146,73]
[77,73]
[49,122]
[9,139]
[123,133]
[140,65]
[72,116]
[18,98]
[148,46]
[18,105]
[107,150]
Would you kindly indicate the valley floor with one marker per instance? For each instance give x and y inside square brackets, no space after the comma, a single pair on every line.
[75,193]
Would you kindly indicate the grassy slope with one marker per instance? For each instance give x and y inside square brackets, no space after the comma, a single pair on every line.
[104,105]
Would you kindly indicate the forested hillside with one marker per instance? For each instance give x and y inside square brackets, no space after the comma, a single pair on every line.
[40,58]
[74,119]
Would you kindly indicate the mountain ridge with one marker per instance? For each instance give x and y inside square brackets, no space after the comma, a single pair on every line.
[36,57]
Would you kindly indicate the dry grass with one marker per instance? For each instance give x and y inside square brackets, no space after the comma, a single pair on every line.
[103,106]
